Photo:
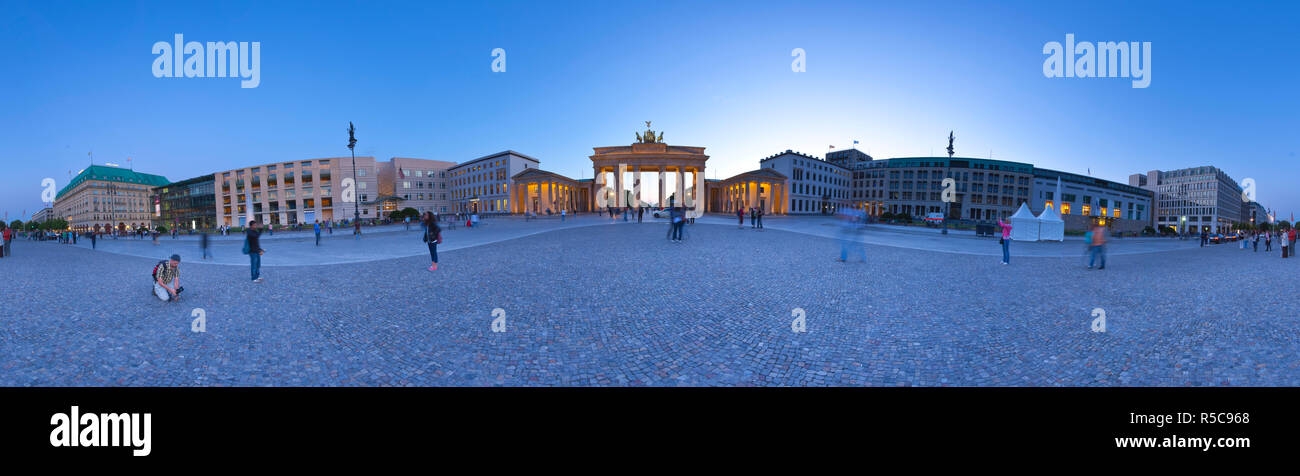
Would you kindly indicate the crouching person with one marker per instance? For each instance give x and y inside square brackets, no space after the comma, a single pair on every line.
[167,279]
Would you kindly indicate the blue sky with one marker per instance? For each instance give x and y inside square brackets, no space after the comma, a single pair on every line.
[416,79]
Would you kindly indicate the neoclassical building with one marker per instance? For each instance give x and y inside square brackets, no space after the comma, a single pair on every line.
[103,197]
[611,166]
[539,191]
[617,172]
[765,188]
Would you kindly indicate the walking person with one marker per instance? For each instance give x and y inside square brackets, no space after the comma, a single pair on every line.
[640,214]
[4,238]
[1268,241]
[253,248]
[753,219]
[1205,237]
[203,245]
[1006,241]
[94,237]
[432,237]
[759,210]
[740,218]
[1097,247]
[850,228]
[677,222]
[563,214]
[1255,238]
[316,229]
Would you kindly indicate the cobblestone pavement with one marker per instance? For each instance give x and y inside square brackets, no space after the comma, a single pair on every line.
[620,305]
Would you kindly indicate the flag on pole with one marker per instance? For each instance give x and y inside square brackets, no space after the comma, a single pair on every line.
[832,147]
[855,142]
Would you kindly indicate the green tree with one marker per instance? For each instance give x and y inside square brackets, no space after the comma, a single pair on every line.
[398,215]
[54,224]
[16,224]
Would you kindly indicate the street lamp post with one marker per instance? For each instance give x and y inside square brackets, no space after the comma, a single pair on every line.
[947,172]
[356,202]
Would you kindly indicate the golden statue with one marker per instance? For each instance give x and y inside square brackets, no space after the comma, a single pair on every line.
[649,137]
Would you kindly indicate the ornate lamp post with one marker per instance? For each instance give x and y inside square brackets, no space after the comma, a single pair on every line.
[356,203]
[947,172]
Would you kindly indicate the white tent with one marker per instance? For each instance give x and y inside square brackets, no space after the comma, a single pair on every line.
[1024,226]
[1050,225]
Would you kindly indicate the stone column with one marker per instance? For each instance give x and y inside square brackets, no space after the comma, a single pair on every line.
[681,188]
[662,199]
[636,186]
[699,195]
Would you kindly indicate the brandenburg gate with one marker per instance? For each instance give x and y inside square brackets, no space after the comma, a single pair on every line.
[648,154]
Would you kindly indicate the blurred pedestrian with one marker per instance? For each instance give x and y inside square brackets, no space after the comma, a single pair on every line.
[850,228]
[1097,248]
[678,221]
[203,245]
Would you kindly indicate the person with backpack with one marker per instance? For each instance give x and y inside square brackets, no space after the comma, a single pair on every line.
[432,237]
[167,279]
[253,248]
